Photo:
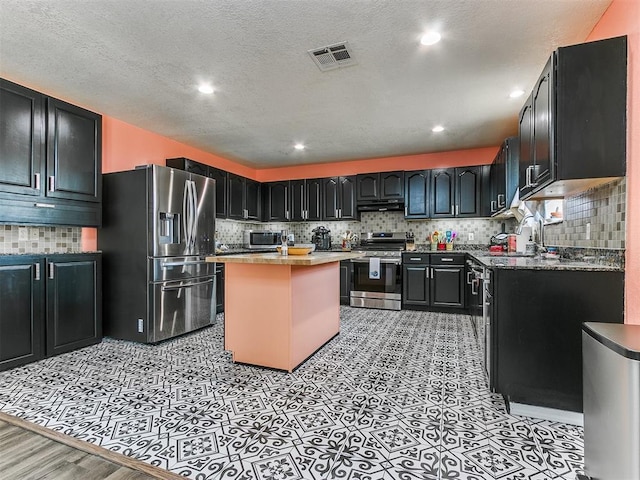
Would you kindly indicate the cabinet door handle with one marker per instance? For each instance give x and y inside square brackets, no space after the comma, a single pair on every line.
[337,213]
[405,210]
[457,209]
[452,210]
[51,271]
[527,177]
[469,277]
[37,271]
[501,200]
[52,183]
[36,178]
[494,206]
[474,291]
[431,272]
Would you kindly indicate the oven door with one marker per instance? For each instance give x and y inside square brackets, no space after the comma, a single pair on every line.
[384,292]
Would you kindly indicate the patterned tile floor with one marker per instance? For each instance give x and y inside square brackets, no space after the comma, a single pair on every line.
[397,395]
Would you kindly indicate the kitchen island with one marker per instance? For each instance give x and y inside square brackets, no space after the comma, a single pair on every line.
[280,309]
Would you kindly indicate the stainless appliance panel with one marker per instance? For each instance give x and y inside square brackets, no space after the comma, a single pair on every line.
[381,303]
[384,292]
[182,306]
[179,268]
[205,215]
[168,199]
[261,240]
[611,412]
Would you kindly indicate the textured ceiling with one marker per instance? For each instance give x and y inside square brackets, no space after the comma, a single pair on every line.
[140,61]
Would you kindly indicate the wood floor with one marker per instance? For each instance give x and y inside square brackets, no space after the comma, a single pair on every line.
[27,455]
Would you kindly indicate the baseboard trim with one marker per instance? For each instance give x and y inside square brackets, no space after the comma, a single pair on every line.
[544,413]
[90,448]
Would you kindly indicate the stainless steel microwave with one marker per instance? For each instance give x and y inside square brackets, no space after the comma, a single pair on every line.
[261,239]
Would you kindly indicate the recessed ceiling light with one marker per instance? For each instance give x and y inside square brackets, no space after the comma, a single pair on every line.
[437,128]
[205,88]
[430,38]
[516,93]
[299,146]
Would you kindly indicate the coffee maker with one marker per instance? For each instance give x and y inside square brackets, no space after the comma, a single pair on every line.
[321,238]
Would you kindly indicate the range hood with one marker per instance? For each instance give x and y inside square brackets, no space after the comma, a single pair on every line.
[380,206]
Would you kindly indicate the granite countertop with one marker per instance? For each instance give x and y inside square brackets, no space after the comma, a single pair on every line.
[538,263]
[315,258]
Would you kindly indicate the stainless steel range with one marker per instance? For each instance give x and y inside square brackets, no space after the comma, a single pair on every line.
[377,277]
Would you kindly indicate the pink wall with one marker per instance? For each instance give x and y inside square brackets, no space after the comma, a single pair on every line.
[623,18]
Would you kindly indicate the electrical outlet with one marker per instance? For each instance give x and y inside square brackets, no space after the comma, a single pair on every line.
[34,234]
[23,234]
[588,232]
[471,236]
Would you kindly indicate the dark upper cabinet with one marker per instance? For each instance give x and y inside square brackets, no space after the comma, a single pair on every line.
[339,198]
[244,198]
[22,317]
[573,127]
[276,201]
[50,152]
[220,176]
[305,199]
[73,302]
[456,192]
[74,152]
[468,188]
[416,194]
[442,192]
[253,199]
[21,139]
[383,186]
[504,176]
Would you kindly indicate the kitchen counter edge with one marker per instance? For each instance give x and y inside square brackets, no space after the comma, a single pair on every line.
[315,258]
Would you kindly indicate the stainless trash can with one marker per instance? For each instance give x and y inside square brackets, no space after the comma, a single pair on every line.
[611,394]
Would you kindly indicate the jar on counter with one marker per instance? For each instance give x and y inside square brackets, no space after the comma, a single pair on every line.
[512,240]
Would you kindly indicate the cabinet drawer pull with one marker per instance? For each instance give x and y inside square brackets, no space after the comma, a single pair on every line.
[447,259]
[416,258]
[43,205]
[36,177]
[52,183]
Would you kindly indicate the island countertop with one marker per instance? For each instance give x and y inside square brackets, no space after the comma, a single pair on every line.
[315,258]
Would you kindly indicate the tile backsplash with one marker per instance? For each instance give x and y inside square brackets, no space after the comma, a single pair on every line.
[604,208]
[230,232]
[39,239]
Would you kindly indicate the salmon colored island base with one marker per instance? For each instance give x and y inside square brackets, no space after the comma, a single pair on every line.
[278,315]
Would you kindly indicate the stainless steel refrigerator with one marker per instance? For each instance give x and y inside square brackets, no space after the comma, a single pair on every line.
[158,227]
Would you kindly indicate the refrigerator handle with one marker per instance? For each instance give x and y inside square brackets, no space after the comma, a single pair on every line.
[194,214]
[185,214]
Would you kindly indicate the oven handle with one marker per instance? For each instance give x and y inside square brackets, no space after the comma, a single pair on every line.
[186,285]
[395,261]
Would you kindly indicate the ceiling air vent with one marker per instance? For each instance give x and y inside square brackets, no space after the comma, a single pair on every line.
[333,56]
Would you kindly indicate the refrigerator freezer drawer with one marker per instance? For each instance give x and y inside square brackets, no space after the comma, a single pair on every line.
[182,306]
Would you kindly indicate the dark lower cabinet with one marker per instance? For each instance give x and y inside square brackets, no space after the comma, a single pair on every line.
[433,281]
[21,310]
[537,320]
[415,285]
[219,287]
[345,281]
[48,305]
[74,306]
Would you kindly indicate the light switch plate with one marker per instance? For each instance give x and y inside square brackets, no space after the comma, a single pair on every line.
[471,236]
[34,234]
[23,234]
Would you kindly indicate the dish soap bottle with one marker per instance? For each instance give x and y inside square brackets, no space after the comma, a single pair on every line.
[530,247]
